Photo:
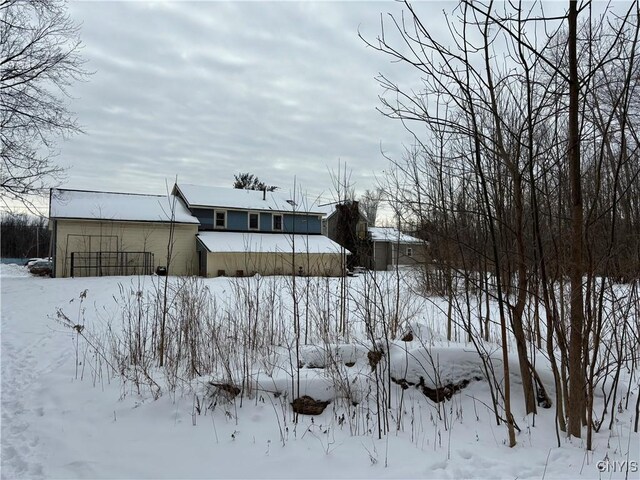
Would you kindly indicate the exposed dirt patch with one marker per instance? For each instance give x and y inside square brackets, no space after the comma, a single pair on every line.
[437,394]
[227,390]
[306,405]
[408,336]
[374,357]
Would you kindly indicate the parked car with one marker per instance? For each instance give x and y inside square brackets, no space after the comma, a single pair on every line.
[31,261]
[42,267]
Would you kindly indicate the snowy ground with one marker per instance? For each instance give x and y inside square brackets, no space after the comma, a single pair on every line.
[58,422]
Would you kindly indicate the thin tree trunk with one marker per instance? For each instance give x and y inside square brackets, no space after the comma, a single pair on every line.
[576,367]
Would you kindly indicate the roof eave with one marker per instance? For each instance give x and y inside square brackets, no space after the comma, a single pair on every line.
[196,222]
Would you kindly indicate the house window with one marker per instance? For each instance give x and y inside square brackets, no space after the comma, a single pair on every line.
[277,223]
[220,219]
[409,252]
[254,221]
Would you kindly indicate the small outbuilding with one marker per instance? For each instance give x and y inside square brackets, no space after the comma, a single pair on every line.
[392,248]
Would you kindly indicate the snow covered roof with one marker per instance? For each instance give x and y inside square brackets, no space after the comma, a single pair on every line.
[389,234]
[116,206]
[201,196]
[240,242]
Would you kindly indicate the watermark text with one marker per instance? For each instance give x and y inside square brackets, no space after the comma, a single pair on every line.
[615,466]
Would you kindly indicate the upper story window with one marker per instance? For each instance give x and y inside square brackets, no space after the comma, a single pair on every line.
[220,219]
[277,223]
[409,252]
[254,221]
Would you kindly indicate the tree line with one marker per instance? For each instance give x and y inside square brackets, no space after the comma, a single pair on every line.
[24,236]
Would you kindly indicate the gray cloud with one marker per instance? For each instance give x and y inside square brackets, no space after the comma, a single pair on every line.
[204,90]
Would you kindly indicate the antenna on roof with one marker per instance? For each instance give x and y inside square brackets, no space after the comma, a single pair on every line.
[329,203]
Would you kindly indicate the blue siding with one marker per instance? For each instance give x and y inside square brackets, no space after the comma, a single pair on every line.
[315,224]
[303,224]
[237,220]
[265,222]
[205,216]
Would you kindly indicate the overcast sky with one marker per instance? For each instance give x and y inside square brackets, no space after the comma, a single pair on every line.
[205,90]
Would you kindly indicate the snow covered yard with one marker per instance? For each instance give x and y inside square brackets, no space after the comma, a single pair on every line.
[70,408]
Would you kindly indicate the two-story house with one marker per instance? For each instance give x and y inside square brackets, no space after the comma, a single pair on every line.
[243,232]
[212,231]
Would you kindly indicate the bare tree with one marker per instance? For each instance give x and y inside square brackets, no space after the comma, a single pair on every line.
[369,203]
[507,104]
[39,60]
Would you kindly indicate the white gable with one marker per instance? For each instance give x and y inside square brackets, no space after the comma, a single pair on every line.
[116,206]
